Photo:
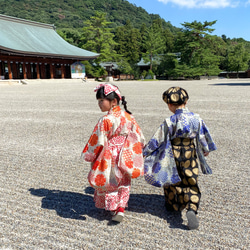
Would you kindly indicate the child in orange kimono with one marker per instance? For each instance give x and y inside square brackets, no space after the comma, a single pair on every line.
[115,152]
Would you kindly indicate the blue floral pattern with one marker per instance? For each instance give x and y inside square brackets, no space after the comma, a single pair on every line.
[160,168]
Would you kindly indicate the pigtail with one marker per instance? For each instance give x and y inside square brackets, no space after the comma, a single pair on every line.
[124,103]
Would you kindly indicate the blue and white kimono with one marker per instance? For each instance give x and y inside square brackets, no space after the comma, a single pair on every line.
[183,124]
[185,128]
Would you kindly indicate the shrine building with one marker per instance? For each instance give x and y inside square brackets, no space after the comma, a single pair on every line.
[32,50]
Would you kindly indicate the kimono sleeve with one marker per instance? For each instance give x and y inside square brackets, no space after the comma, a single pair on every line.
[131,157]
[205,138]
[156,141]
[137,130]
[97,139]
[204,144]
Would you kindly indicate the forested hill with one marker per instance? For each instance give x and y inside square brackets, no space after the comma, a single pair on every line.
[124,33]
[73,13]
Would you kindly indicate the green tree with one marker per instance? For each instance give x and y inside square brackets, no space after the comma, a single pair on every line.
[237,58]
[225,38]
[169,40]
[128,41]
[209,64]
[93,70]
[168,64]
[72,36]
[197,48]
[121,40]
[125,67]
[153,42]
[97,37]
[143,33]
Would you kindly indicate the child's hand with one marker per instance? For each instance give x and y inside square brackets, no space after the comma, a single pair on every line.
[206,153]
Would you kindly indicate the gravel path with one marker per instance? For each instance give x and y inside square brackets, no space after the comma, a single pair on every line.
[46,202]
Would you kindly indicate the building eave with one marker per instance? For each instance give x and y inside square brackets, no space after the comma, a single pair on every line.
[28,38]
[12,52]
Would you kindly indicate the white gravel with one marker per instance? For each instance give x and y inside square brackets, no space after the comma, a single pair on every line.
[46,202]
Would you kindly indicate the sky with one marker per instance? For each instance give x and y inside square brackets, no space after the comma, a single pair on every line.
[233,16]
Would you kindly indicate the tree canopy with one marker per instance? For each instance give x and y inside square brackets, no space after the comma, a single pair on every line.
[124,33]
[73,13]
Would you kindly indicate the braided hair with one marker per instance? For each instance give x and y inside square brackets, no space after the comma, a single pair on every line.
[124,103]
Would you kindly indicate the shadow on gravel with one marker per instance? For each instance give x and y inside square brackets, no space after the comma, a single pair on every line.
[154,204]
[69,204]
[232,84]
[75,205]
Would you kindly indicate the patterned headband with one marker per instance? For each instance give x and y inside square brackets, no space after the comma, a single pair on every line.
[108,88]
[175,95]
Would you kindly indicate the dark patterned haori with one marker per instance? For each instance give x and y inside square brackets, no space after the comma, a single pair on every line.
[185,194]
[184,128]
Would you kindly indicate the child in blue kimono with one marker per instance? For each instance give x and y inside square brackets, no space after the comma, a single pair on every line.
[191,141]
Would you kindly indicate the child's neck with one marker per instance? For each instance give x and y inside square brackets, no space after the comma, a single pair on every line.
[173,108]
[181,106]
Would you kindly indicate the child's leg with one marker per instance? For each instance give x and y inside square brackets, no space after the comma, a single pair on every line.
[121,200]
[117,199]
[193,222]
[112,200]
[99,199]
[114,197]
[123,191]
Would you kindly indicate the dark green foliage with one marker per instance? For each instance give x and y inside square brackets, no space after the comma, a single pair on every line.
[196,46]
[154,42]
[98,38]
[73,13]
[124,33]
[128,42]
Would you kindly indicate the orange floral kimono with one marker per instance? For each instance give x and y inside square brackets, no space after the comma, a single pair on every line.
[115,151]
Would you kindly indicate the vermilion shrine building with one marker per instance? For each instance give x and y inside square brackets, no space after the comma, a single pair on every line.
[32,50]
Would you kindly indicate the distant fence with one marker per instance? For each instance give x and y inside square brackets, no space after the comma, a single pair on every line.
[125,77]
[234,74]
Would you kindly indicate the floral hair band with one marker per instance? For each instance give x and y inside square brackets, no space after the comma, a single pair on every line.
[108,88]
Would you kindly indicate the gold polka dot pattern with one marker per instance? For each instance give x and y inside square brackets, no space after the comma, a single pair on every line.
[185,194]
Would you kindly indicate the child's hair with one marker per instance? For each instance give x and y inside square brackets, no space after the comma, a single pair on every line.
[176,96]
[101,95]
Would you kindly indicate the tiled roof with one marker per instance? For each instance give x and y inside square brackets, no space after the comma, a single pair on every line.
[23,37]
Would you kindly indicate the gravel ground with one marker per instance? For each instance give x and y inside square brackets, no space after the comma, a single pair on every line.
[46,202]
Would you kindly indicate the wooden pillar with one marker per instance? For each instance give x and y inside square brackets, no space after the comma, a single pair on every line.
[43,71]
[37,71]
[28,70]
[24,71]
[52,66]
[63,71]
[18,70]
[14,68]
[68,71]
[9,70]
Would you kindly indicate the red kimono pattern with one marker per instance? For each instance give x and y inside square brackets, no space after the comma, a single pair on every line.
[115,152]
